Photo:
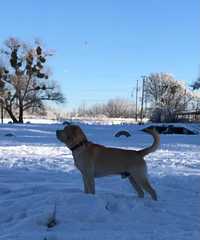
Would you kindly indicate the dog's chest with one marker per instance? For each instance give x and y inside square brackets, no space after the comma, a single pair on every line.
[78,160]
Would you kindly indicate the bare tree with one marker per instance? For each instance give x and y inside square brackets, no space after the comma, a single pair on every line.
[82,110]
[119,107]
[24,79]
[167,96]
[96,110]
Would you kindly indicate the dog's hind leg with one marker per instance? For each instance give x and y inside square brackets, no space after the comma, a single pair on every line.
[136,186]
[147,187]
[89,184]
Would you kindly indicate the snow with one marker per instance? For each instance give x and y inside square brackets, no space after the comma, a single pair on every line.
[37,173]
[32,120]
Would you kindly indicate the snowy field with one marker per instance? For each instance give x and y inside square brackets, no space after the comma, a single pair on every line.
[37,173]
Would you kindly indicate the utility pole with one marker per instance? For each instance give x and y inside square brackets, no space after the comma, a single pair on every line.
[1,102]
[136,102]
[145,99]
[142,101]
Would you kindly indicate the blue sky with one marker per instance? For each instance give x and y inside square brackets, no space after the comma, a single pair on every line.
[103,47]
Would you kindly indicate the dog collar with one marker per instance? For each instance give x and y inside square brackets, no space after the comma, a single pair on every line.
[78,145]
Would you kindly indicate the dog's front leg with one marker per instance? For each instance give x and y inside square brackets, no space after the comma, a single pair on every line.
[89,183]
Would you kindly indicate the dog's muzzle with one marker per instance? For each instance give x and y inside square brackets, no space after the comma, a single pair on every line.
[58,132]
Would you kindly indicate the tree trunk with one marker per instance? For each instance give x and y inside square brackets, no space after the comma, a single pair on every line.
[21,114]
[1,112]
[12,116]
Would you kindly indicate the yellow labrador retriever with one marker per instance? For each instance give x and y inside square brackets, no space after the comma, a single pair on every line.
[95,160]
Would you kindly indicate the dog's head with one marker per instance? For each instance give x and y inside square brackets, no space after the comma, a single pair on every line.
[71,135]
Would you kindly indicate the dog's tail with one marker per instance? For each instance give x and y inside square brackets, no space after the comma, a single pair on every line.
[155,144]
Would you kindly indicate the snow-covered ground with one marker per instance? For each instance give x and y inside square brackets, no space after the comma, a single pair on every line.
[37,173]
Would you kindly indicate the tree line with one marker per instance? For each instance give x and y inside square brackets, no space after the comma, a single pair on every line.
[164,98]
[26,84]
[114,108]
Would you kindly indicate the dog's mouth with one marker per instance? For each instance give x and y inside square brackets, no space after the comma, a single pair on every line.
[58,134]
[63,138]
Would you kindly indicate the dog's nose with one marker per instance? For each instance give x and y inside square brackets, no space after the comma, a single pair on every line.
[58,133]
